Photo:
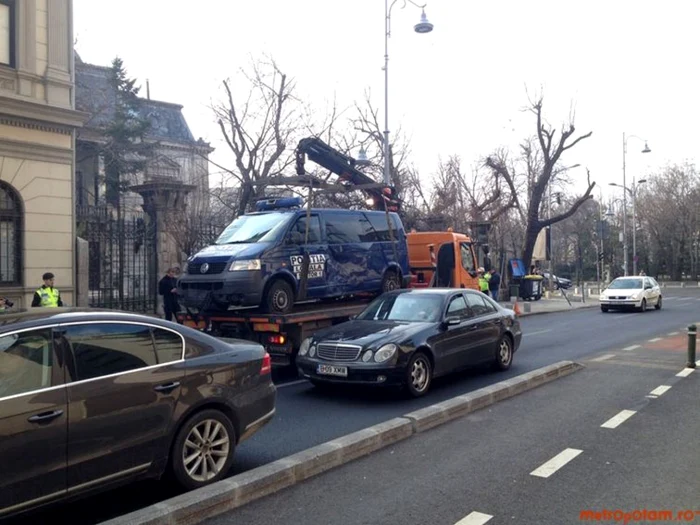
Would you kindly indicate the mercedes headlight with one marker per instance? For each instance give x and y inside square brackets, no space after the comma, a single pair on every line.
[252,264]
[385,353]
[304,348]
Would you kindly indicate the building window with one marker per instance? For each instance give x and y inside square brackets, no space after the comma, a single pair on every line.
[10,236]
[7,32]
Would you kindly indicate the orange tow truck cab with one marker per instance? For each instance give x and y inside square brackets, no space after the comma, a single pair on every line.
[442,259]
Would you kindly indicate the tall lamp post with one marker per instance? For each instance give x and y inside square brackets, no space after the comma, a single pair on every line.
[421,27]
[633,197]
[646,149]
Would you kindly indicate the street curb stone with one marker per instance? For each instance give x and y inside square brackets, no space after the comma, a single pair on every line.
[198,505]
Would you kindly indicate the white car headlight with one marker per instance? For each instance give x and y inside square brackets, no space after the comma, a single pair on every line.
[252,264]
[304,347]
[385,353]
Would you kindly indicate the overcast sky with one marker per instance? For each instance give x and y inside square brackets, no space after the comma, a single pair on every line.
[623,65]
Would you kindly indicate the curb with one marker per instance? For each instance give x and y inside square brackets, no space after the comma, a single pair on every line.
[230,493]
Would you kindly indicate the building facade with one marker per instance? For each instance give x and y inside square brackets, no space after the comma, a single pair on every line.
[37,136]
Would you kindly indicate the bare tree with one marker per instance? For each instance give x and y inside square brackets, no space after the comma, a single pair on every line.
[258,123]
[541,167]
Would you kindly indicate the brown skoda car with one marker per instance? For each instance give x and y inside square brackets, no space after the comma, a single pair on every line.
[90,399]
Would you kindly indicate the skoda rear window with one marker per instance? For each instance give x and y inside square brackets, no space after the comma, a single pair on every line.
[266,227]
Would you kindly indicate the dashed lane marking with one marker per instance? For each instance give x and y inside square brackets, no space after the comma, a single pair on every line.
[618,419]
[632,347]
[556,463]
[475,518]
[603,357]
[538,332]
[685,372]
[655,339]
[660,390]
[673,333]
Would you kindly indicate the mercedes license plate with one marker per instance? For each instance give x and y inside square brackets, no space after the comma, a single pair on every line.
[330,370]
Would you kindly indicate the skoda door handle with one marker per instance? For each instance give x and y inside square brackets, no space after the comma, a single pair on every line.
[167,387]
[45,416]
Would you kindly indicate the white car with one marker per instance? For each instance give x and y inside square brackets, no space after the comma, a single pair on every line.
[639,292]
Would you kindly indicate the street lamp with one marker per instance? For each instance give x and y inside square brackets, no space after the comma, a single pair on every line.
[624,193]
[633,197]
[421,27]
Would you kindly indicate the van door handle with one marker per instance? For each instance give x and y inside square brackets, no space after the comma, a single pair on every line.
[167,387]
[45,416]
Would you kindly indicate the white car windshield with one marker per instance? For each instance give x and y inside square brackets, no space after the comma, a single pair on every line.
[266,227]
[404,307]
[626,284]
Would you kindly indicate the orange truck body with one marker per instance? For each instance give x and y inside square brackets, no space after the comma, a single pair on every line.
[456,255]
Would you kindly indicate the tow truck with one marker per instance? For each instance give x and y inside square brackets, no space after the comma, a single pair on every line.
[437,259]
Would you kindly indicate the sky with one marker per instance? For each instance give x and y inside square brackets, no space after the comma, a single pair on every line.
[621,66]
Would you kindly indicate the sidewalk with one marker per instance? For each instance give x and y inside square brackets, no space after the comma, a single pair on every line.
[555,304]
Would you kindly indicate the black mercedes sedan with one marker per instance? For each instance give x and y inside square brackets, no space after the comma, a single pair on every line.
[90,399]
[408,337]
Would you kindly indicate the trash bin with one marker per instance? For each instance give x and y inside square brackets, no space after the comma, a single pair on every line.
[522,285]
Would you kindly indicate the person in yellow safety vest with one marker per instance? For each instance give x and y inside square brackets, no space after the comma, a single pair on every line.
[483,281]
[47,295]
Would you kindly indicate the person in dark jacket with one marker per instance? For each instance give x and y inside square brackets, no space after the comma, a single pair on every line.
[167,287]
[494,283]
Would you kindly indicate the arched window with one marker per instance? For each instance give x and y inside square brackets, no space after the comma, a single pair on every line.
[10,236]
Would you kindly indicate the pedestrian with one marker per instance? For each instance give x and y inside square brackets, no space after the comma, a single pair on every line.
[494,284]
[483,282]
[642,273]
[47,295]
[167,287]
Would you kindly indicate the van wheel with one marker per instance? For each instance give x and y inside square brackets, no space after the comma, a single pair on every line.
[391,281]
[279,298]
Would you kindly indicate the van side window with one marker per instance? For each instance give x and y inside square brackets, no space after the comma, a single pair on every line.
[376,228]
[465,254]
[298,232]
[343,229]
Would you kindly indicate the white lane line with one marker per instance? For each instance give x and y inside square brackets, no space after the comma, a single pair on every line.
[628,348]
[556,463]
[475,518]
[655,339]
[686,298]
[292,383]
[685,372]
[538,332]
[673,333]
[620,418]
[604,357]
[660,390]
[651,397]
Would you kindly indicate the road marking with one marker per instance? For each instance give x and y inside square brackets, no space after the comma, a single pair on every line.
[633,347]
[556,463]
[604,357]
[620,418]
[474,518]
[660,390]
[685,372]
[292,383]
[651,397]
[673,333]
[539,332]
[655,339]
[685,298]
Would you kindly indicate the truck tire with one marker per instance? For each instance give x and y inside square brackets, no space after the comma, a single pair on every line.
[279,297]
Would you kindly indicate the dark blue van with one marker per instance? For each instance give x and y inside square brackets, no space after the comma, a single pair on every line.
[257,259]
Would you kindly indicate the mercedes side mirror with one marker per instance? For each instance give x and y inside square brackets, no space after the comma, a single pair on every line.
[451,321]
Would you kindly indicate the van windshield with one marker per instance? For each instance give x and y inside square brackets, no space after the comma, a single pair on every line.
[266,227]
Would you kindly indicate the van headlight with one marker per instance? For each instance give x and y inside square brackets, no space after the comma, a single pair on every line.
[385,353]
[251,264]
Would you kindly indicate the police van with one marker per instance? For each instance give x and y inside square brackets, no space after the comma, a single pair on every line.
[257,260]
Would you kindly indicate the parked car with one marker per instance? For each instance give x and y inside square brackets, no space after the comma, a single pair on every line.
[93,399]
[558,282]
[638,292]
[408,337]
[257,260]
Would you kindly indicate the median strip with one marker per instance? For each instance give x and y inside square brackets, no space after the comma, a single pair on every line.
[228,494]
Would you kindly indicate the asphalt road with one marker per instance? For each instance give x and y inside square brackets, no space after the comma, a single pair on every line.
[306,417]
[487,468]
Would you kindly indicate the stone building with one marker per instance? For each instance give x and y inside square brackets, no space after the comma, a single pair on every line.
[37,134]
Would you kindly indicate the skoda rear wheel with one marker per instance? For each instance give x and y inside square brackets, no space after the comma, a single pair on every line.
[279,298]
[391,281]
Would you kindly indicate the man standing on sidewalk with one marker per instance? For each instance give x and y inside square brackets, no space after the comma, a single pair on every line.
[167,287]
[494,283]
[47,295]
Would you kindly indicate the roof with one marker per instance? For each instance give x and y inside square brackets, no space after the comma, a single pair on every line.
[95,95]
[30,317]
